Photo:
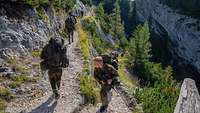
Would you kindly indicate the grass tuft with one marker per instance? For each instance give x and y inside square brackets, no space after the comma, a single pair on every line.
[5,94]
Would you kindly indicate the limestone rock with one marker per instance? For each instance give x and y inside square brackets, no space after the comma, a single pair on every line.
[189,99]
[179,33]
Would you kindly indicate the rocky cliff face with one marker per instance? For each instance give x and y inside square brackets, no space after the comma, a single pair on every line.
[189,99]
[20,33]
[173,32]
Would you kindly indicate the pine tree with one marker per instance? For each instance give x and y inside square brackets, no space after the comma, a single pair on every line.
[140,45]
[117,25]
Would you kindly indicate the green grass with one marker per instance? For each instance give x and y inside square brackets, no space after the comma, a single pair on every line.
[14,84]
[41,13]
[89,90]
[64,34]
[24,78]
[36,2]
[84,42]
[3,105]
[1,78]
[129,82]
[35,53]
[5,94]
[12,61]
[21,69]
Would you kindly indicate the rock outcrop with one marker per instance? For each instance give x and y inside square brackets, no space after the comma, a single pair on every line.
[20,35]
[24,28]
[189,99]
[178,33]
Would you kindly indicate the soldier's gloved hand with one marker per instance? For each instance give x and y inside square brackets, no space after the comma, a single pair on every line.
[109,81]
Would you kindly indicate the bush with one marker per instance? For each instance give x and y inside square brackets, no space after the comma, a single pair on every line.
[21,78]
[90,25]
[36,2]
[89,90]
[41,13]
[14,84]
[35,53]
[3,105]
[5,94]
[160,92]
[159,99]
[84,43]
[21,69]
[65,4]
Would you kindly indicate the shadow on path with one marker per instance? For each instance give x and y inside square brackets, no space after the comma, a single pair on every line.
[46,107]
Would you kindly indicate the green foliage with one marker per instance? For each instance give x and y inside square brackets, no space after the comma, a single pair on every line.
[3,105]
[12,61]
[5,94]
[103,19]
[84,43]
[88,2]
[41,13]
[36,53]
[112,24]
[159,99]
[90,25]
[140,45]
[65,4]
[36,2]
[117,26]
[88,89]
[160,91]
[161,94]
[24,78]
[14,84]
[21,69]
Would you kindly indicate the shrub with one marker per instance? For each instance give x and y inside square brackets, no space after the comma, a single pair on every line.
[3,105]
[41,13]
[21,69]
[88,89]
[5,94]
[21,78]
[14,84]
[35,53]
[84,43]
[36,2]
[160,99]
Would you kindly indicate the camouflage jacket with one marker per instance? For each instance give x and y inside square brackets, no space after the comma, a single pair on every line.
[107,72]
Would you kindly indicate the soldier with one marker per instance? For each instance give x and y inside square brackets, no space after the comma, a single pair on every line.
[105,74]
[54,59]
[70,26]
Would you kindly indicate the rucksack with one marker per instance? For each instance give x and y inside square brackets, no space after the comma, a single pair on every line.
[54,54]
[108,59]
[71,22]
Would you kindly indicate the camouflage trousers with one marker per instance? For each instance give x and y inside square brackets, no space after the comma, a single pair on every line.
[71,36]
[55,79]
[106,95]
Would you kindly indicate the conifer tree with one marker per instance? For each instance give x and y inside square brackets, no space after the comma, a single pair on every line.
[118,27]
[140,45]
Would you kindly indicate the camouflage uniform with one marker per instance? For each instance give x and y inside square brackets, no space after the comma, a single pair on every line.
[53,62]
[55,75]
[70,26]
[102,75]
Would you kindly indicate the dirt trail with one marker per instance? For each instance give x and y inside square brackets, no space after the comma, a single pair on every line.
[117,105]
[70,96]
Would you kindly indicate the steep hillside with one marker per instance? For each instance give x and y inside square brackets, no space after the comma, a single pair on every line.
[175,36]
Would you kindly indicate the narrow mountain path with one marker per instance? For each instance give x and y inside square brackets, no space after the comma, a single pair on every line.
[117,105]
[70,96]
